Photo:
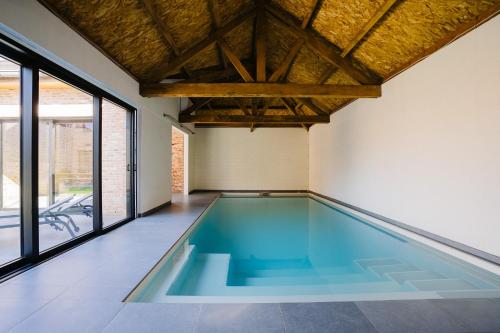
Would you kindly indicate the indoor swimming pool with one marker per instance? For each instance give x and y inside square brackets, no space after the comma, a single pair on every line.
[275,249]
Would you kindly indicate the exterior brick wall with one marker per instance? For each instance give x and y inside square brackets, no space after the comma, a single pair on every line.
[72,149]
[114,160]
[177,161]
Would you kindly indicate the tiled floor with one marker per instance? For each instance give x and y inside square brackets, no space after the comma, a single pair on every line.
[82,290]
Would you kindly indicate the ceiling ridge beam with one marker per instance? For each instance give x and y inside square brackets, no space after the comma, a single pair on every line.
[258,89]
[325,49]
[163,70]
[278,119]
[383,9]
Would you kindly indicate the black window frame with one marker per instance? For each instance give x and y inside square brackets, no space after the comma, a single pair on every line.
[31,64]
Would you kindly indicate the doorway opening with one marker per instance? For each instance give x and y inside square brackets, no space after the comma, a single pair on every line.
[179,162]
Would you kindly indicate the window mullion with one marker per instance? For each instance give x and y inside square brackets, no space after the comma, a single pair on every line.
[29,163]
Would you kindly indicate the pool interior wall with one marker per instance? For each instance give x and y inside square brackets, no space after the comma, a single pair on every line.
[296,249]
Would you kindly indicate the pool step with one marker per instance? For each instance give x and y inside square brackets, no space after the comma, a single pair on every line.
[384,269]
[319,289]
[305,280]
[442,285]
[402,277]
[367,263]
[208,274]
[299,272]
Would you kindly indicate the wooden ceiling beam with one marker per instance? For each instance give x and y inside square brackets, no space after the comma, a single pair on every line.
[386,6]
[214,118]
[285,65]
[213,7]
[196,106]
[315,108]
[325,49]
[289,105]
[162,71]
[243,107]
[233,58]
[260,42]
[287,62]
[258,90]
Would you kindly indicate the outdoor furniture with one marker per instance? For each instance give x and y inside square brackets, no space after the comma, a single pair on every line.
[58,216]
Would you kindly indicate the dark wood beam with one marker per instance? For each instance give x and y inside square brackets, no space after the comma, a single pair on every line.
[260,42]
[213,7]
[162,71]
[243,107]
[287,62]
[162,30]
[283,68]
[252,119]
[196,106]
[383,9]
[289,105]
[310,104]
[324,77]
[239,125]
[326,50]
[233,58]
[258,90]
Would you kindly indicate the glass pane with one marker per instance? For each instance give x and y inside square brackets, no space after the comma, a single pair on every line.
[115,163]
[65,162]
[10,157]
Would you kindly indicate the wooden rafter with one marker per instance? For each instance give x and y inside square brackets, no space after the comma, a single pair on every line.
[213,7]
[233,58]
[214,118]
[326,50]
[386,6]
[288,60]
[196,106]
[289,105]
[165,35]
[264,90]
[260,42]
[310,104]
[243,107]
[163,70]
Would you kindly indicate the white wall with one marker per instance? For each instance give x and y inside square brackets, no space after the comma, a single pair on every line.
[427,153]
[237,159]
[53,38]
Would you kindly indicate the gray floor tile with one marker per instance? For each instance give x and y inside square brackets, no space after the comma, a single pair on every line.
[476,315]
[69,316]
[93,292]
[325,317]
[13,312]
[241,318]
[408,316]
[35,292]
[149,317]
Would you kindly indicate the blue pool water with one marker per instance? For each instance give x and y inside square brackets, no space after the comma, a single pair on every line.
[299,248]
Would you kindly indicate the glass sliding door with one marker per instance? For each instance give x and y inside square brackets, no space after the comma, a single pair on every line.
[116,163]
[66,159]
[10,158]
[65,147]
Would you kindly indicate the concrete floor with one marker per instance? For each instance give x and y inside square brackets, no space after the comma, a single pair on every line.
[82,291]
